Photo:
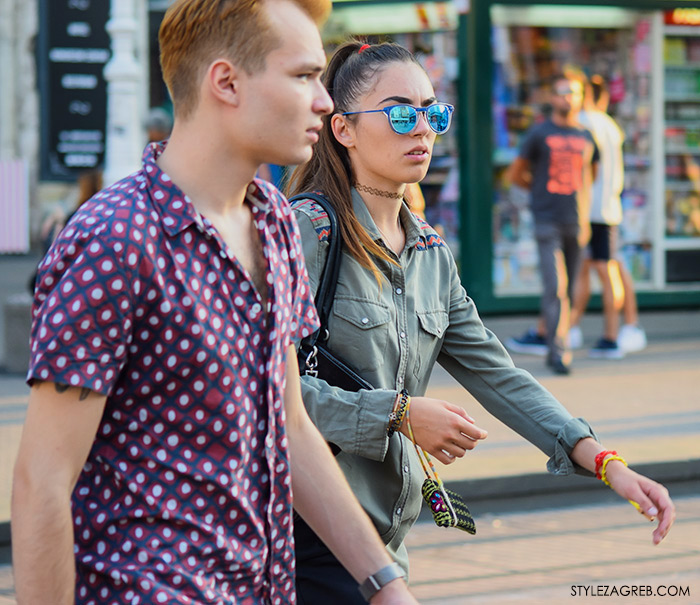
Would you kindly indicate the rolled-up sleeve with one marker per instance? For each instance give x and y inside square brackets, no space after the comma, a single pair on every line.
[354,421]
[476,359]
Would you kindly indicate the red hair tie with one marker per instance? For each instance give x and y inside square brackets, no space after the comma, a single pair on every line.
[363,47]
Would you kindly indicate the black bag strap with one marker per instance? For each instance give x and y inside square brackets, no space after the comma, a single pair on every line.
[325,293]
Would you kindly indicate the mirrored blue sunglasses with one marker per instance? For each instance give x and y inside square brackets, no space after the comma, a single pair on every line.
[403,118]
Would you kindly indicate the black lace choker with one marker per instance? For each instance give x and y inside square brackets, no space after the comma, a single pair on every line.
[379,192]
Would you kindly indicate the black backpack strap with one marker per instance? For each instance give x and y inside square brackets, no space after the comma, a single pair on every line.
[329,276]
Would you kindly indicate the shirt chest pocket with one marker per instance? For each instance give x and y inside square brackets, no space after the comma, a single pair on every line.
[360,331]
[431,329]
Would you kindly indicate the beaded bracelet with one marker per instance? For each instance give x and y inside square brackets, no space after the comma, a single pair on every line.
[601,465]
[599,460]
[603,475]
[403,401]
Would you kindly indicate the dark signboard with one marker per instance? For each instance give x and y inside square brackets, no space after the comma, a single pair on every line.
[72,52]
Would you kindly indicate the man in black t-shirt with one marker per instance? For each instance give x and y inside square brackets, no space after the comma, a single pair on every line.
[557,163]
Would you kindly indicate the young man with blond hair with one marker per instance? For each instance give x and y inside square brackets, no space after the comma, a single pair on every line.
[165,429]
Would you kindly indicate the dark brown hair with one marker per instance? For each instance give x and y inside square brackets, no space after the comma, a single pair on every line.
[349,75]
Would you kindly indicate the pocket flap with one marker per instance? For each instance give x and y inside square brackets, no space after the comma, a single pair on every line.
[433,322]
[364,314]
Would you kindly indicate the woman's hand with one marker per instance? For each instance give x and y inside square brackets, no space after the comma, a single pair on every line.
[442,429]
[652,497]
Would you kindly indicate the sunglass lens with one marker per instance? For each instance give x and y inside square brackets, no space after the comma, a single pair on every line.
[402,118]
[438,117]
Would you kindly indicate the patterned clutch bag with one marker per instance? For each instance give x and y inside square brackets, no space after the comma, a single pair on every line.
[448,507]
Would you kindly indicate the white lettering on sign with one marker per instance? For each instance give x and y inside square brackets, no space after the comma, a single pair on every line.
[80,160]
[79,81]
[80,148]
[80,135]
[79,29]
[79,55]
[81,5]
[81,108]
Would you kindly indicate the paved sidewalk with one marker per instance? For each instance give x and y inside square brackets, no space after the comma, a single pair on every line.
[550,557]
[542,557]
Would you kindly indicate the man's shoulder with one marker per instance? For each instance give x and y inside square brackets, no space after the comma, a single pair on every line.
[543,127]
[123,202]
[537,133]
[118,218]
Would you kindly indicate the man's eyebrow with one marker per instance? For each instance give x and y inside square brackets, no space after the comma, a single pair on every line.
[408,101]
[312,67]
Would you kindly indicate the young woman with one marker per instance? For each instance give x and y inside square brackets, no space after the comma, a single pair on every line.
[399,308]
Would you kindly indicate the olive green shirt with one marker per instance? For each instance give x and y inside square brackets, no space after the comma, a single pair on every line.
[392,336]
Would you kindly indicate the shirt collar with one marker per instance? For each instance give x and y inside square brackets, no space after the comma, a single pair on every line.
[176,209]
[414,233]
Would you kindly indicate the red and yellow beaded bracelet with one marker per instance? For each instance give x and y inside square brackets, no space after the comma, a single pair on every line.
[601,463]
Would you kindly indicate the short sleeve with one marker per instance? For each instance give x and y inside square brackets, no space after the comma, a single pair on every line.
[82,314]
[529,149]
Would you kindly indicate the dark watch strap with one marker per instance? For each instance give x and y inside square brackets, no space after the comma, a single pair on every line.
[377,581]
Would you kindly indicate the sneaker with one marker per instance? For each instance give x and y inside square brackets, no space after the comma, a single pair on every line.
[575,337]
[530,343]
[606,349]
[631,338]
[559,367]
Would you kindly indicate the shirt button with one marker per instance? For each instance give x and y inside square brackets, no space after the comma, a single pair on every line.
[365,320]
[439,330]
[398,510]
[400,380]
[403,335]
[405,468]
[399,291]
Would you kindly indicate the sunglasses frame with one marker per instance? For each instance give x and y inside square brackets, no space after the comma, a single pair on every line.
[387,111]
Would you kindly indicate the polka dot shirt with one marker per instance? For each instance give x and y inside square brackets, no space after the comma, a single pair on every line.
[186,493]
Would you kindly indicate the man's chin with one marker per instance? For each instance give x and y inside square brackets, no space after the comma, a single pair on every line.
[302,156]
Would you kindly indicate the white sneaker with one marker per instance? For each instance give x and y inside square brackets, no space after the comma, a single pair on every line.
[631,338]
[575,337]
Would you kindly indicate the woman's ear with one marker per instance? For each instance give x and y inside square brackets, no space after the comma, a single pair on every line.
[343,131]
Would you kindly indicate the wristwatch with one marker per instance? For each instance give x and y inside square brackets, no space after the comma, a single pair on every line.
[372,585]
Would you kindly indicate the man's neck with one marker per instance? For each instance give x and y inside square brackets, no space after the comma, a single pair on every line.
[214,181]
[565,120]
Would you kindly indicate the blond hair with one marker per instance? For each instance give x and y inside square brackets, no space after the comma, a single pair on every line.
[195,32]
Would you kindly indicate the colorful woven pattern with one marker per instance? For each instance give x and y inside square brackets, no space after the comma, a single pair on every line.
[448,508]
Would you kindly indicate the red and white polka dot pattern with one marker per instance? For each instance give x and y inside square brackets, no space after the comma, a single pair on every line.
[186,495]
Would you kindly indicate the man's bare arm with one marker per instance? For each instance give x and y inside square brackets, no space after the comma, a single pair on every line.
[519,173]
[58,433]
[325,501]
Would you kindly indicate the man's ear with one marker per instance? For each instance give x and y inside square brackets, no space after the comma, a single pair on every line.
[343,131]
[223,82]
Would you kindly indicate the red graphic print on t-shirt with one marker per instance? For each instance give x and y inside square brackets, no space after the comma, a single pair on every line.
[566,163]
